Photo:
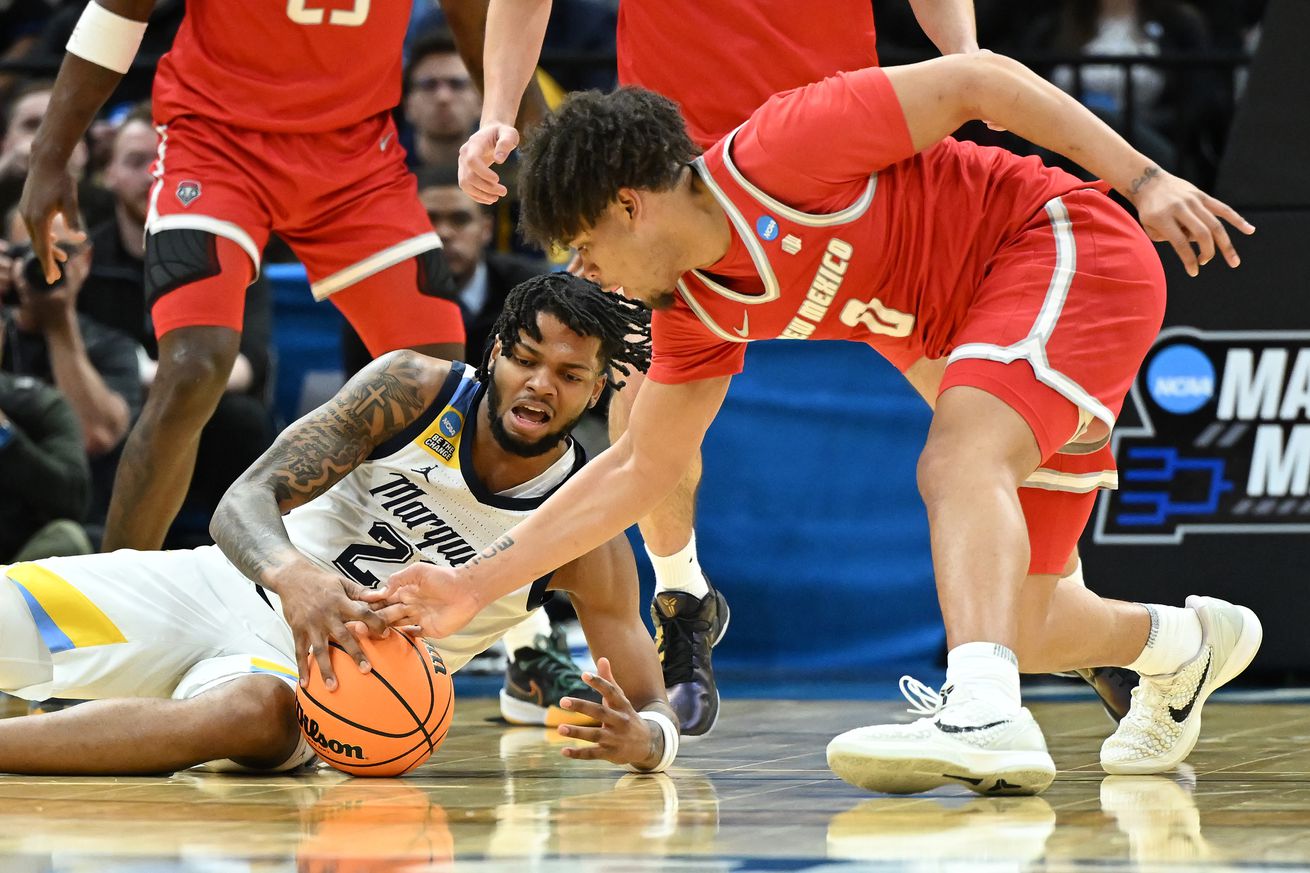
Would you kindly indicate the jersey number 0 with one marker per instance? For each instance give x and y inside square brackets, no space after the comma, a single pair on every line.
[298,12]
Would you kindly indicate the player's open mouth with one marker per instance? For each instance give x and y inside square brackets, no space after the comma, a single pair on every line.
[530,416]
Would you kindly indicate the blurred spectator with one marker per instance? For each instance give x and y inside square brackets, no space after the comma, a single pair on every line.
[441,104]
[22,116]
[95,367]
[114,294]
[42,464]
[484,278]
[21,23]
[165,19]
[1169,105]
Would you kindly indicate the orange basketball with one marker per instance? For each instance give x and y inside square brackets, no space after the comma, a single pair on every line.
[382,723]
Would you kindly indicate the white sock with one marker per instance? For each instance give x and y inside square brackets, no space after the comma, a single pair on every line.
[984,671]
[1174,640]
[524,634]
[680,571]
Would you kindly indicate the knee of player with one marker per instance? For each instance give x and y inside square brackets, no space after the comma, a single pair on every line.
[937,472]
[194,364]
[260,717]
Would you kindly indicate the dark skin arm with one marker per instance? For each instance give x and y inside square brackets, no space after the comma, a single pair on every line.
[603,587]
[307,459]
[81,89]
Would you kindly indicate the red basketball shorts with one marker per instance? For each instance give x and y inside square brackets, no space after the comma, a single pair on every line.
[344,202]
[1057,330]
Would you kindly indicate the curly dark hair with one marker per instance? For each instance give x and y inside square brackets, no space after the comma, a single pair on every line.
[578,158]
[621,325]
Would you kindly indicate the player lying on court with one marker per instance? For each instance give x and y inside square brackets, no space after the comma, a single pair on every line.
[844,210]
[415,459]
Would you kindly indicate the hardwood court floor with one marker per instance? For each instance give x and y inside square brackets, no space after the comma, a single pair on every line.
[754,796]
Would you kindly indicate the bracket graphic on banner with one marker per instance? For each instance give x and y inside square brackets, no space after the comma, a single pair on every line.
[1224,441]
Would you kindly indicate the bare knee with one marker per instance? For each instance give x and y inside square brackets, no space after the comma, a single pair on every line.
[194,366]
[261,720]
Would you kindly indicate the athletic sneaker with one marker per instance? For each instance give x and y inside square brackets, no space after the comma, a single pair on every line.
[959,741]
[1164,722]
[1113,685]
[686,629]
[538,678]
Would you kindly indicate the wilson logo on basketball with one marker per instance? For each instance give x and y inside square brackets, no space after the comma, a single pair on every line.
[315,735]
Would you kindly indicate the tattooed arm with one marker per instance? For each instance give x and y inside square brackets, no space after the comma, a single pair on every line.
[307,459]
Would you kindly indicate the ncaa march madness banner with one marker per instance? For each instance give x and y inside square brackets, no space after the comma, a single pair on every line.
[1224,441]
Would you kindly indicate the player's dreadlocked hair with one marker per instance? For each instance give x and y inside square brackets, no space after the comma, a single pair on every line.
[621,325]
[594,144]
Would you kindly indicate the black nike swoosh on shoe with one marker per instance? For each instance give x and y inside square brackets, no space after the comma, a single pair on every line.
[968,779]
[1180,715]
[964,729]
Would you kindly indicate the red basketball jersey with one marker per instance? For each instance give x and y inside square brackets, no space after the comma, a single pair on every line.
[303,66]
[841,232]
[721,59]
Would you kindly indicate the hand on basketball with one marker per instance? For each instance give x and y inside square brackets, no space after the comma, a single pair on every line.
[427,597]
[322,609]
[492,144]
[1175,211]
[624,737]
[48,192]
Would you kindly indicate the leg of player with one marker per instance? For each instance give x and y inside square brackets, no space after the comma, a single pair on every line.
[975,733]
[250,719]
[196,282]
[1111,684]
[388,315]
[690,615]
[1183,656]
[160,453]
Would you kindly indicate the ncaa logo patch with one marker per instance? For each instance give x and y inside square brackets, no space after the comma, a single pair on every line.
[766,227]
[450,423]
[1180,379]
[187,191]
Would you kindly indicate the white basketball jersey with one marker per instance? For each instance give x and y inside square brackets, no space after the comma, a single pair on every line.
[417,498]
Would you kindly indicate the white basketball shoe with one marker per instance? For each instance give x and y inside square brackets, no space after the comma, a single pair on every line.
[959,741]
[1164,721]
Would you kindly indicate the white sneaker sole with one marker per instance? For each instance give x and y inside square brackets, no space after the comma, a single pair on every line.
[1248,643]
[908,770]
[521,712]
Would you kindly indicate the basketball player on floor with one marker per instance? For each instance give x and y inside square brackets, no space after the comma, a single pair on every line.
[843,210]
[718,62]
[263,128]
[415,459]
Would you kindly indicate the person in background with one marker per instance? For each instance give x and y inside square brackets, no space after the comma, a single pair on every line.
[94,366]
[441,101]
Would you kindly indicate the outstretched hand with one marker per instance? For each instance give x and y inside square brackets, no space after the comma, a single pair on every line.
[1175,211]
[424,596]
[623,737]
[491,144]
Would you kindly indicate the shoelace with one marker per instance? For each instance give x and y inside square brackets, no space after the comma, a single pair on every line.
[678,646]
[558,666]
[923,699]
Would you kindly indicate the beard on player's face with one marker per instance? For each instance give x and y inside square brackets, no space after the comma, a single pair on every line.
[500,408]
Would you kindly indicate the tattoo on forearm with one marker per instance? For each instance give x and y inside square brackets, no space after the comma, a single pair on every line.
[1140,182]
[313,455]
[492,550]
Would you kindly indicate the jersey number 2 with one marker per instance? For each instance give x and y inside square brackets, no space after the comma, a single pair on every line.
[391,548]
[298,12]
